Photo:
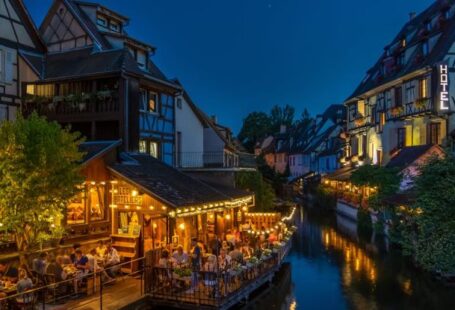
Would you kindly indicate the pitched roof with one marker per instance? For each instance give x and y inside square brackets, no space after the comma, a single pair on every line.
[95,149]
[407,155]
[166,183]
[85,62]
[414,33]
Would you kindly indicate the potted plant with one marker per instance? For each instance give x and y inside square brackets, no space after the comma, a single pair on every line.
[421,103]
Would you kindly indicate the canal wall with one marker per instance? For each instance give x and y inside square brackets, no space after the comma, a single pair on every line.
[350,211]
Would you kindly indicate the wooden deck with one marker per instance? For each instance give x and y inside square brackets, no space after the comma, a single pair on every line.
[120,294]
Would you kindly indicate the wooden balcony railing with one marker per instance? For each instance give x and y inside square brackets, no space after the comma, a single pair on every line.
[419,106]
[56,106]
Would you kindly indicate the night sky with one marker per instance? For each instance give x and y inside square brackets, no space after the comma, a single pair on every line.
[239,56]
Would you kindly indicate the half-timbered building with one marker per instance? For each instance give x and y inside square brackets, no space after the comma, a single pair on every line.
[102,82]
[407,98]
[20,44]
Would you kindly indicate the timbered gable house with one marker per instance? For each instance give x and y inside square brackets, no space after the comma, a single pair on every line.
[102,82]
[19,43]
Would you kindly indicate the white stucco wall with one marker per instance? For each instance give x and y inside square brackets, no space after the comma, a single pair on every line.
[192,135]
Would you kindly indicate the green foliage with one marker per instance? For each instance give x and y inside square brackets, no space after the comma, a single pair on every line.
[386,180]
[39,173]
[429,226]
[325,197]
[253,181]
[256,126]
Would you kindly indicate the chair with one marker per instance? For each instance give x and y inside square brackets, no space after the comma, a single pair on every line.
[52,285]
[26,300]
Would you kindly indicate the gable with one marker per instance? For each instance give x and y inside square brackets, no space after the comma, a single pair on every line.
[16,25]
[62,31]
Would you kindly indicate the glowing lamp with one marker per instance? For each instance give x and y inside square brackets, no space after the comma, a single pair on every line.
[182,226]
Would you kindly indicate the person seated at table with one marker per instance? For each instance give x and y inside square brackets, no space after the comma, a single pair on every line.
[94,267]
[165,261]
[236,255]
[246,250]
[63,258]
[55,269]
[24,284]
[40,263]
[210,278]
[210,264]
[9,272]
[101,249]
[81,262]
[73,254]
[111,260]
[224,260]
[180,257]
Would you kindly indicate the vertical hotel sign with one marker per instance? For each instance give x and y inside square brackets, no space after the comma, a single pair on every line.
[443,86]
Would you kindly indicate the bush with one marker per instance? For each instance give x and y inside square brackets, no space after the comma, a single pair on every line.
[364,222]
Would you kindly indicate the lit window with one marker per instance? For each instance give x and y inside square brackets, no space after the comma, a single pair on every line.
[96,202]
[152,102]
[403,42]
[142,146]
[361,107]
[154,149]
[101,21]
[423,88]
[76,209]
[30,89]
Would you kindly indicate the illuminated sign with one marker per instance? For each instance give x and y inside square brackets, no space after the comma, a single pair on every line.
[444,86]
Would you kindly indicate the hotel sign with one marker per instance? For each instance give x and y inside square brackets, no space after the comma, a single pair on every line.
[443,86]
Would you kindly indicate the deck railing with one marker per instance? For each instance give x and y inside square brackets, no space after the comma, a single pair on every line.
[220,289]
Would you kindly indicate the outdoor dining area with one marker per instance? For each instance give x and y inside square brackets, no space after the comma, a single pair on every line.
[226,268]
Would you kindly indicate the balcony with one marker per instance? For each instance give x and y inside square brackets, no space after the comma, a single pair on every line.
[218,160]
[102,104]
[418,107]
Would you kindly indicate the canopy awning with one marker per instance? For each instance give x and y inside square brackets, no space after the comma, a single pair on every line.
[342,174]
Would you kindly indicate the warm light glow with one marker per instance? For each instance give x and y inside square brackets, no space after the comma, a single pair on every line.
[127,207]
[151,207]
[244,209]
[211,216]
[163,207]
[138,207]
[227,217]
[134,193]
[154,225]
[182,226]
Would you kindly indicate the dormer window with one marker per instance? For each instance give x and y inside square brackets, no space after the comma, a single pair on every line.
[427,25]
[403,42]
[101,21]
[425,48]
[114,26]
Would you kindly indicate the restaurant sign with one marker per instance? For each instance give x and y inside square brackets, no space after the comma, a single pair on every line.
[443,86]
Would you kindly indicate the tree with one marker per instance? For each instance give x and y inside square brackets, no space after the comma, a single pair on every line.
[256,125]
[254,182]
[386,182]
[281,116]
[430,222]
[39,174]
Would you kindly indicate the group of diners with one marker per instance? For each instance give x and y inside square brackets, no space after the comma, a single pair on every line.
[69,268]
[218,256]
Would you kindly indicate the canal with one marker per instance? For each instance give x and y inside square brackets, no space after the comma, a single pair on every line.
[331,268]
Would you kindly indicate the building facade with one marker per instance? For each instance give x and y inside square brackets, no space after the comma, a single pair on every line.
[407,98]
[112,89]
[19,43]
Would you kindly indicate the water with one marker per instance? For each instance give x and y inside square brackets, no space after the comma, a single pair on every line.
[331,268]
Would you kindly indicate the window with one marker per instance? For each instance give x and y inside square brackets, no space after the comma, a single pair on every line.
[179,103]
[427,25]
[361,107]
[6,66]
[400,59]
[2,66]
[401,137]
[114,26]
[101,21]
[152,102]
[76,209]
[97,201]
[403,42]
[423,88]
[142,146]
[398,96]
[425,48]
[434,131]
[409,92]
[154,149]
[381,121]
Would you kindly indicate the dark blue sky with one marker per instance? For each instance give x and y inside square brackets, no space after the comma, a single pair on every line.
[238,56]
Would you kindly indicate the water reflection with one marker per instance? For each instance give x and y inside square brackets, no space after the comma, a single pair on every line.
[332,268]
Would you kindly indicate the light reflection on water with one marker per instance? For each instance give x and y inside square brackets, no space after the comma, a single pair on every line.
[332,268]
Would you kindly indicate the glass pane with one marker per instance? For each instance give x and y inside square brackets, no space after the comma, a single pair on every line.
[154,149]
[76,210]
[142,146]
[152,102]
[97,202]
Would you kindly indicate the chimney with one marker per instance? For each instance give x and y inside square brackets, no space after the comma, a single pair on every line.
[282,128]
[214,119]
[412,15]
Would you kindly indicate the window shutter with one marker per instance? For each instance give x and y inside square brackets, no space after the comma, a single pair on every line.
[9,67]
